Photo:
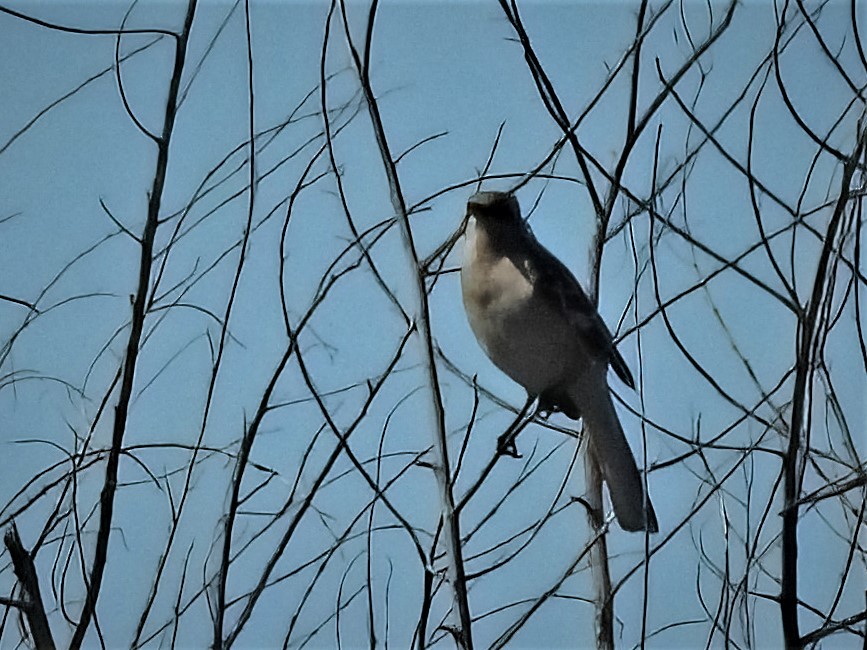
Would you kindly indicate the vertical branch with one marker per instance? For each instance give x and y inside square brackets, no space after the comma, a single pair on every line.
[25,571]
[247,443]
[450,519]
[603,598]
[603,595]
[139,311]
[810,326]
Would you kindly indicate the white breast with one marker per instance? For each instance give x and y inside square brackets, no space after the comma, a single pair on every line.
[527,339]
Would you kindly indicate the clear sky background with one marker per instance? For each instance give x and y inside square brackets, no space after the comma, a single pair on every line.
[452,68]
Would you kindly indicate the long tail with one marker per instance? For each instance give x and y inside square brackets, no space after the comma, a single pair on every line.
[632,506]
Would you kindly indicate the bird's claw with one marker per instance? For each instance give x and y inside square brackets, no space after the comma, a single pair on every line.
[506,446]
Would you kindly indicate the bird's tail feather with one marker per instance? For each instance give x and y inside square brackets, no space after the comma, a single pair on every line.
[607,442]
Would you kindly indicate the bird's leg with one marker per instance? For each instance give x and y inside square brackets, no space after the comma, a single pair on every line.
[506,442]
[552,401]
[506,445]
[546,406]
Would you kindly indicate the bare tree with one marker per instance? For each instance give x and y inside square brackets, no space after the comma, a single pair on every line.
[242,406]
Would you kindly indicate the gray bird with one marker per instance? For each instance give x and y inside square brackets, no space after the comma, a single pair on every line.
[537,325]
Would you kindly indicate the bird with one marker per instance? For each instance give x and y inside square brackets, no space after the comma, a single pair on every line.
[536,324]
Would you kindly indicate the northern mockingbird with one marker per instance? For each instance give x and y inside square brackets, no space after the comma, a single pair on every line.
[538,326]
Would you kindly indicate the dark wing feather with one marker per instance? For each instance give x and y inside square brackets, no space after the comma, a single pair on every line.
[620,368]
[552,279]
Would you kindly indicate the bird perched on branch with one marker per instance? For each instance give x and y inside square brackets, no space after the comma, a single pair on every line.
[537,325]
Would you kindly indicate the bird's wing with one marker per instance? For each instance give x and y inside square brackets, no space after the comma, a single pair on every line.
[554,282]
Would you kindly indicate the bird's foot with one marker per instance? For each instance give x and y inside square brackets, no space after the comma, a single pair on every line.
[546,407]
[506,445]
[552,402]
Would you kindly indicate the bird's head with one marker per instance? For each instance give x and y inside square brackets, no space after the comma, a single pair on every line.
[494,208]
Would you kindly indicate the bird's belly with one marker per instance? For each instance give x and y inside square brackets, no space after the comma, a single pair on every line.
[534,348]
